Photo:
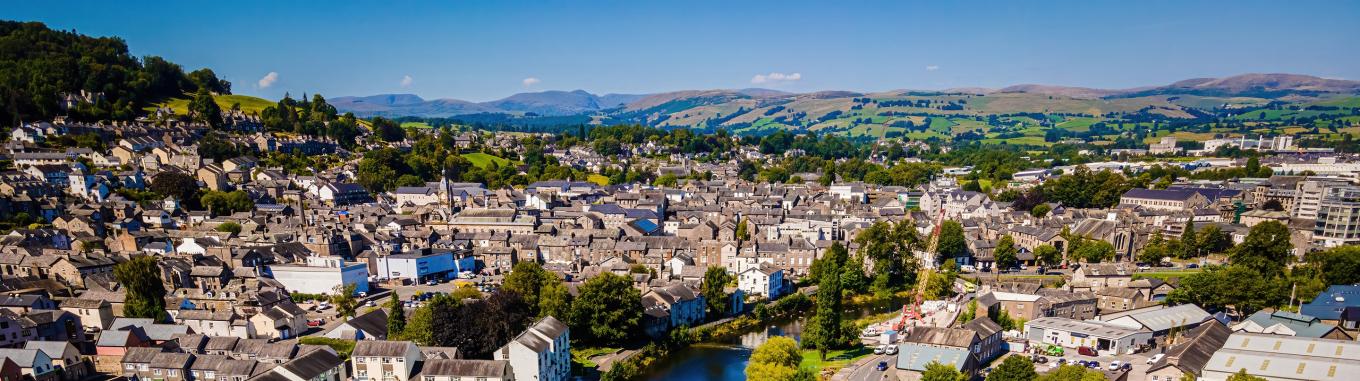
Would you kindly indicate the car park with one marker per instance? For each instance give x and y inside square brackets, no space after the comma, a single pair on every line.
[1087,351]
[1093,364]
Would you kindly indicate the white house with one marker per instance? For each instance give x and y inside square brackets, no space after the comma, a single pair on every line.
[766,280]
[542,352]
[416,196]
[322,275]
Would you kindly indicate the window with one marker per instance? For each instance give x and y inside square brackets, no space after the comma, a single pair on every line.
[157,372]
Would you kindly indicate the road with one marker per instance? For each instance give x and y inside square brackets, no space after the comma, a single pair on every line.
[867,369]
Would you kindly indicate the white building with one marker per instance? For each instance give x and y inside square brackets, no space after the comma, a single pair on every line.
[322,275]
[542,352]
[1105,338]
[1276,357]
[765,279]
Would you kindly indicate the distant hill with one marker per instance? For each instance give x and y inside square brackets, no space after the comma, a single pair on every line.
[914,113]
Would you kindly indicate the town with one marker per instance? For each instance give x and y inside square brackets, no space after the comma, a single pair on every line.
[111,267]
[714,208]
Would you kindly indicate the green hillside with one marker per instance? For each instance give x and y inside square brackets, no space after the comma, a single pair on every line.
[482,160]
[249,104]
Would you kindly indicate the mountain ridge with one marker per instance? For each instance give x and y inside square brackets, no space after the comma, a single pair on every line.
[577,102]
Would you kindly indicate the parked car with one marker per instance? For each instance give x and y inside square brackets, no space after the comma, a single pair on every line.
[967,268]
[1127,366]
[882,349]
[892,349]
[882,366]
[1192,266]
[1093,364]
[314,323]
[1040,359]
[1087,351]
[363,294]
[1116,364]
[1054,365]
[371,304]
[1155,358]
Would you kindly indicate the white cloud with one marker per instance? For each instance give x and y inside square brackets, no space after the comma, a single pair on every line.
[530,81]
[406,81]
[776,78]
[932,67]
[268,80]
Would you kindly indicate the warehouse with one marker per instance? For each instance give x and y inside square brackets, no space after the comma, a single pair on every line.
[1106,338]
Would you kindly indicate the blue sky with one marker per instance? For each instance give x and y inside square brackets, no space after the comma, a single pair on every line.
[484,50]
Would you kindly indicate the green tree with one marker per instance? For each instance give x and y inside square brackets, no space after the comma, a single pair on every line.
[1155,250]
[606,312]
[951,242]
[935,371]
[1242,375]
[388,130]
[226,203]
[1265,250]
[178,185]
[344,300]
[420,327]
[890,246]
[714,290]
[1040,210]
[742,233]
[527,279]
[1072,373]
[229,227]
[140,278]
[1240,287]
[553,300]
[396,317]
[1014,368]
[1338,265]
[1190,246]
[1048,255]
[824,331]
[204,109]
[1093,251]
[778,350]
[1005,253]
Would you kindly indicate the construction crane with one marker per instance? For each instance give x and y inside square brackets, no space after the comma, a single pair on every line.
[912,312]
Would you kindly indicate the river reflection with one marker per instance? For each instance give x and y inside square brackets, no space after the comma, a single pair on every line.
[721,362]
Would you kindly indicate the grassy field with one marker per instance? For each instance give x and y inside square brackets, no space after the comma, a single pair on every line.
[248,103]
[482,160]
[834,359]
[1164,275]
[598,179]
[582,355]
[416,125]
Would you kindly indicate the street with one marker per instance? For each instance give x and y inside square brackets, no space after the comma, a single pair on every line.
[866,369]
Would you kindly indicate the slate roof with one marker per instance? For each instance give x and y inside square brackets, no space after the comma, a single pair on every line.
[1195,349]
[465,368]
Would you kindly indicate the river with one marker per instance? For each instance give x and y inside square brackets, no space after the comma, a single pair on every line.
[726,361]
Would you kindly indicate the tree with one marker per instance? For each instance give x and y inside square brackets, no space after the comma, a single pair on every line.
[606,312]
[1242,375]
[1155,250]
[1040,210]
[1338,265]
[1190,246]
[714,290]
[483,325]
[1272,205]
[206,79]
[204,109]
[951,242]
[1265,250]
[527,279]
[777,359]
[1072,373]
[226,203]
[553,300]
[1093,251]
[388,130]
[935,371]
[420,327]
[140,278]
[229,227]
[1006,253]
[890,246]
[742,233]
[824,331]
[396,317]
[1014,368]
[344,300]
[1048,255]
[178,185]
[1240,287]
